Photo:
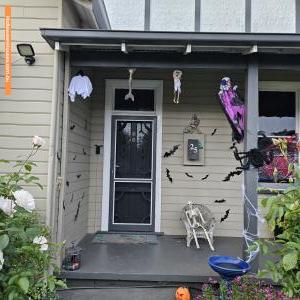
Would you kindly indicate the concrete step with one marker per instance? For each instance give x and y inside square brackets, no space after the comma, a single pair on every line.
[119,293]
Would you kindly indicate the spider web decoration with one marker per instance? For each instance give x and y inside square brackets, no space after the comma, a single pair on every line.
[250,238]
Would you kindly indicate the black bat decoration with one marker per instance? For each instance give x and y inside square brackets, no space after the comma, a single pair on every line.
[83,151]
[205,177]
[225,216]
[231,174]
[74,157]
[68,183]
[58,157]
[215,130]
[77,212]
[189,175]
[168,175]
[172,151]
[220,201]
[79,175]
[72,127]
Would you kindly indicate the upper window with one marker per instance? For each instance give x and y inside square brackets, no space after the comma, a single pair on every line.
[143,100]
[277,119]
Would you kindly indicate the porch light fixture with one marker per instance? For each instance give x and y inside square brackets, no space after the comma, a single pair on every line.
[26,50]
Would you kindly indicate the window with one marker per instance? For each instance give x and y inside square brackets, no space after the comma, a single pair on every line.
[143,100]
[277,119]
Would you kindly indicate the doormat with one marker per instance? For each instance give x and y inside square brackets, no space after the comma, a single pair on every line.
[121,238]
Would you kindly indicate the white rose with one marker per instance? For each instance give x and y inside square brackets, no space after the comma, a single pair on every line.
[25,200]
[1,260]
[41,240]
[7,206]
[38,141]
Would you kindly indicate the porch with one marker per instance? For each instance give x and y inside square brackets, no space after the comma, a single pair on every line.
[84,200]
[167,262]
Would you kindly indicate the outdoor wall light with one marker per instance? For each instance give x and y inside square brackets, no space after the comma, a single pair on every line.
[27,51]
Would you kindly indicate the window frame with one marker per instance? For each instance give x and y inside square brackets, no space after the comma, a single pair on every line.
[282,86]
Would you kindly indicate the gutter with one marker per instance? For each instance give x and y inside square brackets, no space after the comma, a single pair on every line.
[94,37]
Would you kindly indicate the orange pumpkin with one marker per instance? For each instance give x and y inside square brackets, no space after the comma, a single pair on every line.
[182,293]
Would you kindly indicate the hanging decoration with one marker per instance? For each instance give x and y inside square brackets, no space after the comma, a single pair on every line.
[72,127]
[233,107]
[225,216]
[193,125]
[130,95]
[177,75]
[172,151]
[80,85]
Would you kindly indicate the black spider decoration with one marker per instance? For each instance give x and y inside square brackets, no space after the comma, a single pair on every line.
[225,216]
[68,183]
[168,175]
[74,157]
[79,175]
[83,151]
[72,127]
[256,157]
[172,151]
[64,206]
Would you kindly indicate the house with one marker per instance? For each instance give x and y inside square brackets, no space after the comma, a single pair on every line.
[254,42]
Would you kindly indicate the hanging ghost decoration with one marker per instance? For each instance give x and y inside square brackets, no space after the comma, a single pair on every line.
[177,74]
[233,107]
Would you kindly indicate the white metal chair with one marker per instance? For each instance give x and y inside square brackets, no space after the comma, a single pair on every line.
[199,222]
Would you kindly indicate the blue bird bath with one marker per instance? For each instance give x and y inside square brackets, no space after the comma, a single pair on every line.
[228,267]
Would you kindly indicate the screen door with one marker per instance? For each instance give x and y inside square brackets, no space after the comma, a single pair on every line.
[132,184]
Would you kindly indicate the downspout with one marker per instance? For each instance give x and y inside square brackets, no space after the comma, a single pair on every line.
[53,141]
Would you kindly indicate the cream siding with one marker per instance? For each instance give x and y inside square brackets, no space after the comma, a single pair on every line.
[199,95]
[75,200]
[27,111]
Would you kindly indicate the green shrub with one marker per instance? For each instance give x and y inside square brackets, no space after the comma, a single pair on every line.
[26,254]
[284,214]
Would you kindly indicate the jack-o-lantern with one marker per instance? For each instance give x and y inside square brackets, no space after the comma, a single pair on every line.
[182,293]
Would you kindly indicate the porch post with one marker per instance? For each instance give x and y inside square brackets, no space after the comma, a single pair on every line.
[250,141]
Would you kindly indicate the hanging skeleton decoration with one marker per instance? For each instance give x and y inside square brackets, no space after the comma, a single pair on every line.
[233,107]
[177,74]
[130,95]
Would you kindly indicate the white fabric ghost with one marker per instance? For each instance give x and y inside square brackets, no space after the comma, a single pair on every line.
[80,85]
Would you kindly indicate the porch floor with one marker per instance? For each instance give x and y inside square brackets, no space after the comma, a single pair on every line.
[167,261]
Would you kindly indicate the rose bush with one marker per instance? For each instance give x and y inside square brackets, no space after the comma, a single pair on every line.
[26,254]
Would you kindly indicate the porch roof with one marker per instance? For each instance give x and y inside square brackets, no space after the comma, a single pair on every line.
[245,43]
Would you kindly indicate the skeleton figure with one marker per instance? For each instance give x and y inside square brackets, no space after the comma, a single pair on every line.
[130,95]
[177,74]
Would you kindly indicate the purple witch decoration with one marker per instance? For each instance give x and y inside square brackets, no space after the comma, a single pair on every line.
[233,107]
